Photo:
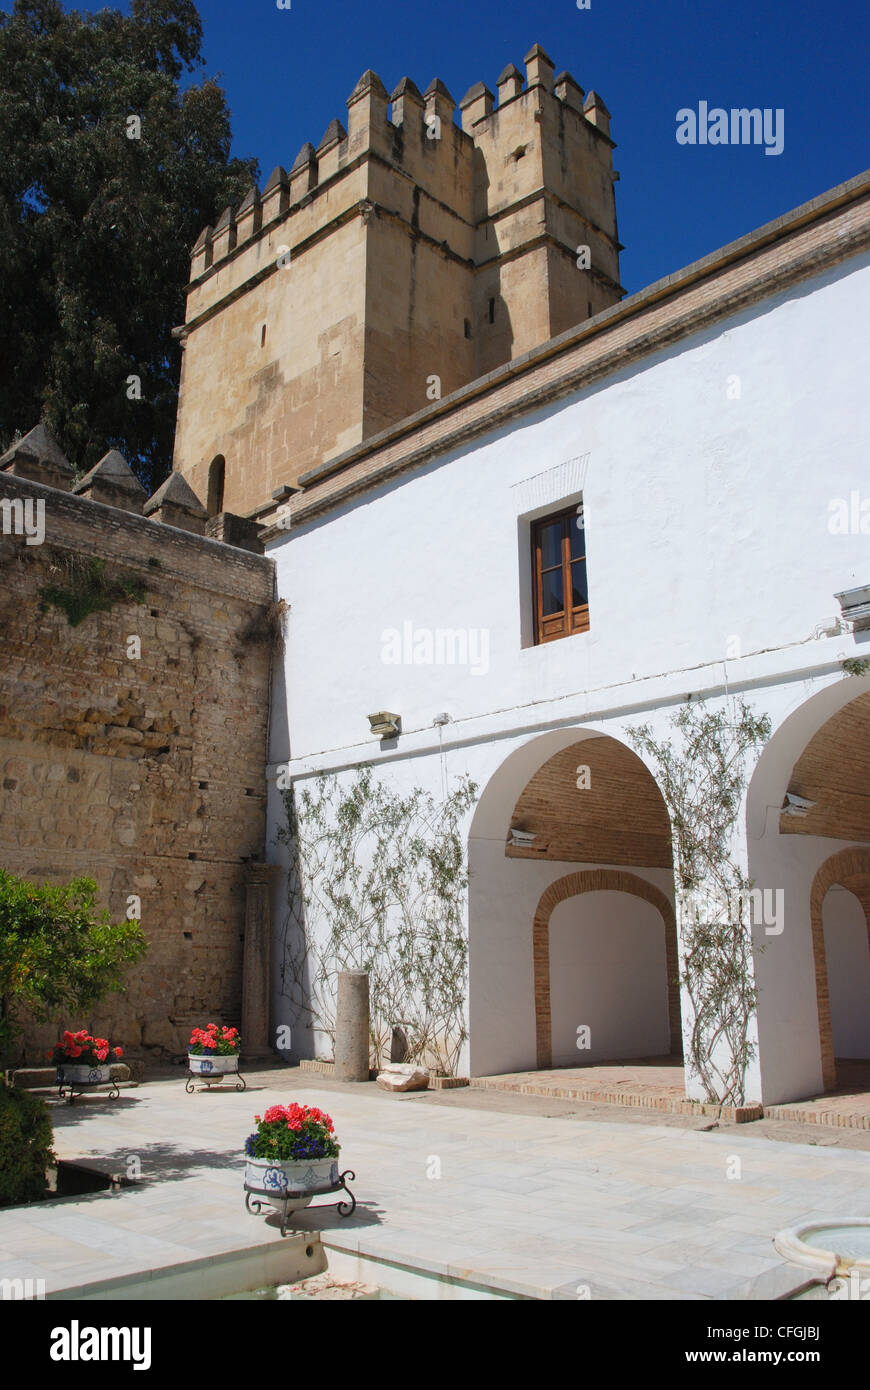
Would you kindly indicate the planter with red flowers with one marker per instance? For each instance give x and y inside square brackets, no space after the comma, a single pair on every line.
[84,1062]
[291,1158]
[212,1055]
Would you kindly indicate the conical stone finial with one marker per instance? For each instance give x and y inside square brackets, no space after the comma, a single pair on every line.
[176,504]
[39,457]
[113,482]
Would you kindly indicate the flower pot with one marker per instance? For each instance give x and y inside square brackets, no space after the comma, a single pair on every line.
[72,1073]
[293,1180]
[204,1065]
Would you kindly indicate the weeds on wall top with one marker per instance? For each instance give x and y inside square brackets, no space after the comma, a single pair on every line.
[702,774]
[378,883]
[86,586]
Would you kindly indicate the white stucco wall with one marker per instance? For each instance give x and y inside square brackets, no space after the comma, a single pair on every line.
[706,520]
[711,568]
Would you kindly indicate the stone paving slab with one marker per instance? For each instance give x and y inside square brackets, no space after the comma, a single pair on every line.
[524,1203]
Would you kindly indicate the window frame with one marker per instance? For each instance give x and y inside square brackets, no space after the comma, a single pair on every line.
[572,619]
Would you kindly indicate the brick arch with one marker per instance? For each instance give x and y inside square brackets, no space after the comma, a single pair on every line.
[850,868]
[596,881]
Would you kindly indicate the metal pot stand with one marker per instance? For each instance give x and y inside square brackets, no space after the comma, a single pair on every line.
[69,1089]
[218,1078]
[255,1206]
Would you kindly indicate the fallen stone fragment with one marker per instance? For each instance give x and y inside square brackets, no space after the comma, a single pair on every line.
[403,1076]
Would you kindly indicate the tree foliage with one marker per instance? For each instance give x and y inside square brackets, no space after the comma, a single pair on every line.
[95,227]
[56,951]
[25,1146]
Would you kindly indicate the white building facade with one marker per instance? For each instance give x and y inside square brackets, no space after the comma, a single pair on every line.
[705,448]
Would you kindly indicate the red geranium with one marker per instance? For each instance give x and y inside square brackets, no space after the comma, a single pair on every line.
[223,1042]
[83,1049]
[287,1132]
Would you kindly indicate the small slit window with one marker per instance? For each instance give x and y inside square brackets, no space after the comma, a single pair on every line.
[216,472]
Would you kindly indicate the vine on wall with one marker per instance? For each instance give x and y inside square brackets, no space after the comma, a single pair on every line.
[378,882]
[702,774]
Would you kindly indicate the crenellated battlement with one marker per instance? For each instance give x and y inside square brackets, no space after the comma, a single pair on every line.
[416,133]
[423,238]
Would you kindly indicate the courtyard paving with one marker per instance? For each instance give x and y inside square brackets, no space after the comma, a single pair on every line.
[463,1184]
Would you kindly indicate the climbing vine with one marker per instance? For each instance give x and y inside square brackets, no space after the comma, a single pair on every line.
[702,773]
[854,666]
[378,882]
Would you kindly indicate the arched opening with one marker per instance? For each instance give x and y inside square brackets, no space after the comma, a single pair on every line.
[808,826]
[216,475]
[583,960]
[571,915]
[841,958]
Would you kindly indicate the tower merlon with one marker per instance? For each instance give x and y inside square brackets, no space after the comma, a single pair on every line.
[539,68]
[476,105]
[408,105]
[439,102]
[510,84]
[304,173]
[224,239]
[597,113]
[248,215]
[367,124]
[569,92]
[276,196]
[200,256]
[329,151]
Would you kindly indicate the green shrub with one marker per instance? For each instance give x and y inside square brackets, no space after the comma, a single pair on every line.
[25,1146]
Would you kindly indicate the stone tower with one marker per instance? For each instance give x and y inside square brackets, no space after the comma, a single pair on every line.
[401,249]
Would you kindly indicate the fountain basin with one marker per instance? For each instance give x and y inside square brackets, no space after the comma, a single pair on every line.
[829,1248]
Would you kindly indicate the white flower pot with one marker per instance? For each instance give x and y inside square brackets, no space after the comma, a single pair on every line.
[293,1179]
[69,1073]
[205,1065]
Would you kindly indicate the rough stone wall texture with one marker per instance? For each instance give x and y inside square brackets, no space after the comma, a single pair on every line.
[146,775]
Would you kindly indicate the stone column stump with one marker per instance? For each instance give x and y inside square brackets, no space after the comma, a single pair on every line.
[352,1026]
[257,966]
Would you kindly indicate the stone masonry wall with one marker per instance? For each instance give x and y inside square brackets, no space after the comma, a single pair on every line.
[144,774]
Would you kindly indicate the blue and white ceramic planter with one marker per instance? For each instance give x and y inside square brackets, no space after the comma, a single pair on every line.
[73,1074]
[204,1065]
[294,1180]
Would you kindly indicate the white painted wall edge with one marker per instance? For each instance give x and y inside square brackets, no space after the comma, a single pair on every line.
[629,698]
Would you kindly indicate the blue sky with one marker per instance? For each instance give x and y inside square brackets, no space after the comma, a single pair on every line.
[287,73]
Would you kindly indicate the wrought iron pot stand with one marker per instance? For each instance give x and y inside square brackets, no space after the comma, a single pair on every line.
[69,1089]
[215,1080]
[284,1204]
